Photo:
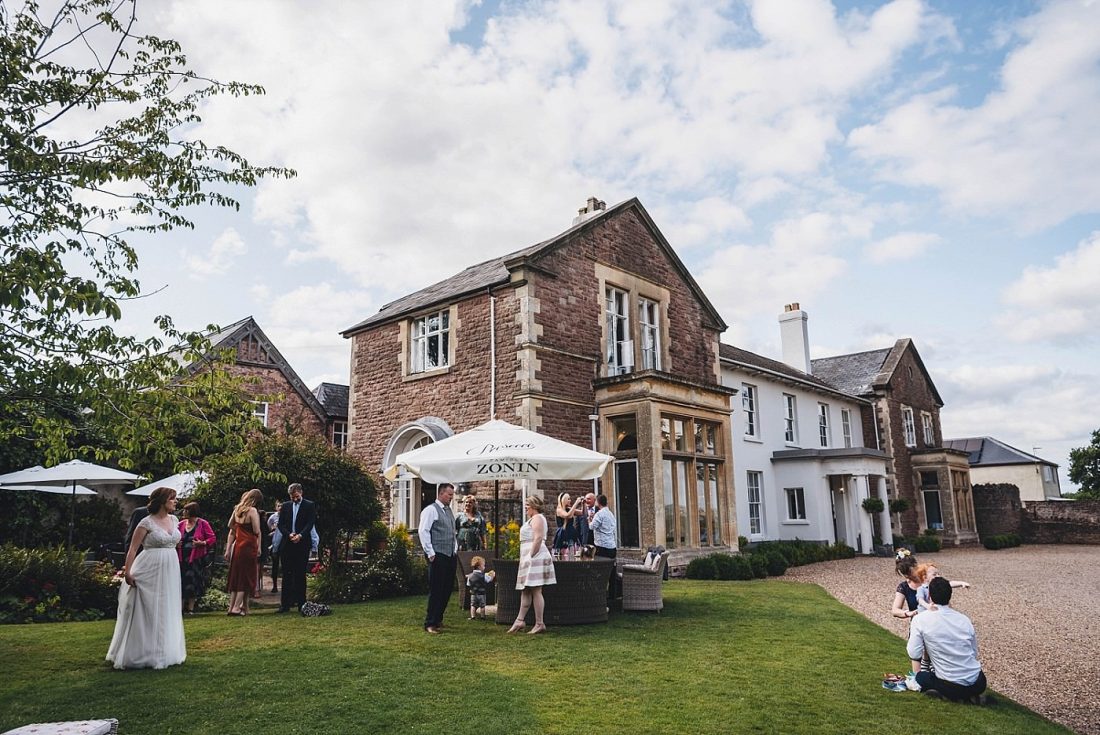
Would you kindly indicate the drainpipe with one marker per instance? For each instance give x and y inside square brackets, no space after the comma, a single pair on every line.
[593,418]
[492,354]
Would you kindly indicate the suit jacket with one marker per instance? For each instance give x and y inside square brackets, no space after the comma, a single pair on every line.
[307,517]
[135,519]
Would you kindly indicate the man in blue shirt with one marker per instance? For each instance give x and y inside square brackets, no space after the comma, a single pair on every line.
[949,639]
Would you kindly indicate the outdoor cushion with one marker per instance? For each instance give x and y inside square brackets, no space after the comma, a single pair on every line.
[639,568]
[81,727]
[651,561]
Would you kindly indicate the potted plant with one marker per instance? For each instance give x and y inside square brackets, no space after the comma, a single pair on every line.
[377,535]
[873,505]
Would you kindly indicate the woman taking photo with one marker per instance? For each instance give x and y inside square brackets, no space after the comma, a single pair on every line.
[149,626]
[196,544]
[536,567]
[470,527]
[242,551]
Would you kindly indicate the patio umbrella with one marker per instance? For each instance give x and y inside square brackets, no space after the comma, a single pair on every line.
[498,451]
[182,482]
[69,475]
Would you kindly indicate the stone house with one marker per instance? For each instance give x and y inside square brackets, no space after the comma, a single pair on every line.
[333,398]
[903,415]
[598,334]
[803,466]
[992,462]
[282,401]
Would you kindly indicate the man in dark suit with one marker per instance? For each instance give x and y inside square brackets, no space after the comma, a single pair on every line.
[135,519]
[296,520]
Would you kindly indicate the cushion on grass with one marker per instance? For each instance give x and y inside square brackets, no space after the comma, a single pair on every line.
[78,727]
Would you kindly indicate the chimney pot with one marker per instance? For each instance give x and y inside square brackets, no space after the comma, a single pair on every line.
[591,207]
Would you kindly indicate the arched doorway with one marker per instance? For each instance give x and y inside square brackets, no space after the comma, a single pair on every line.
[408,494]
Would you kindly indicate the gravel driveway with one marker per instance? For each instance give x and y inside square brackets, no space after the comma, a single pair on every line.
[1035,609]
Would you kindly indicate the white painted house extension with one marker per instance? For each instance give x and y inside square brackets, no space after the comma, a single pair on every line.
[802,468]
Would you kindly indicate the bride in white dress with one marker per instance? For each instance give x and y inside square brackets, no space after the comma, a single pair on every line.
[149,626]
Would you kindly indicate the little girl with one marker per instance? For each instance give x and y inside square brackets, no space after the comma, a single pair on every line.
[477,582]
[926,573]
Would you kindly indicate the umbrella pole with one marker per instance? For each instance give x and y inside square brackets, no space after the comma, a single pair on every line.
[72,515]
[496,518]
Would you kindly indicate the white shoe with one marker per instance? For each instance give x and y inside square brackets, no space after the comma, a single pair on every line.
[911,684]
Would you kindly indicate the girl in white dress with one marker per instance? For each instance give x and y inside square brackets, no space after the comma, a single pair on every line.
[149,626]
[536,567]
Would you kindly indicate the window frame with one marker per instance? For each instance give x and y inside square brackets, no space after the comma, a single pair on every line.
[824,430]
[749,395]
[846,426]
[419,341]
[928,429]
[691,459]
[264,415]
[755,505]
[790,418]
[651,331]
[617,350]
[342,434]
[908,427]
[796,501]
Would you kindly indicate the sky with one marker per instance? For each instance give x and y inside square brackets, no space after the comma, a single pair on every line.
[901,169]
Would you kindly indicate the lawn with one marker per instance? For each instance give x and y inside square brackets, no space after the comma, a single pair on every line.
[747,657]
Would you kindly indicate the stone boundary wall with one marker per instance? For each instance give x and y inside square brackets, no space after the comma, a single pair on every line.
[1061,522]
[998,510]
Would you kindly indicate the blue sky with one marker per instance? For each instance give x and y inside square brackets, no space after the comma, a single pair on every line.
[902,169]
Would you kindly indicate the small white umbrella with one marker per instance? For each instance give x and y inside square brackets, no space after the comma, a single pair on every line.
[80,489]
[182,482]
[497,450]
[69,475]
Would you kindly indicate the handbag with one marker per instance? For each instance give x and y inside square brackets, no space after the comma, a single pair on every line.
[315,609]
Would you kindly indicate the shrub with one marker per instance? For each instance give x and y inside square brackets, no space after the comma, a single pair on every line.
[742,543]
[701,567]
[899,505]
[392,572]
[927,543]
[842,551]
[729,566]
[1001,541]
[53,585]
[873,505]
[509,539]
[377,532]
[776,564]
[759,565]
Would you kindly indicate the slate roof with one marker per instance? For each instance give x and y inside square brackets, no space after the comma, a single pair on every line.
[854,374]
[753,361]
[985,451]
[497,271]
[333,397]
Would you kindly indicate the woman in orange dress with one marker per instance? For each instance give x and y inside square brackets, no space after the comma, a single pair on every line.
[242,551]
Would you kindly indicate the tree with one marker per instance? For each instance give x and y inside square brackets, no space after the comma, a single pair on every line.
[346,498]
[1084,468]
[97,146]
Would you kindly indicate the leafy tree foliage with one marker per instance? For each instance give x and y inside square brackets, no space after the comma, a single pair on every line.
[1084,468]
[346,498]
[96,147]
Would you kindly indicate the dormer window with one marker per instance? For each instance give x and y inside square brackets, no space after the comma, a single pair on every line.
[430,342]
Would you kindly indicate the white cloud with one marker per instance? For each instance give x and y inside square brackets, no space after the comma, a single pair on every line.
[417,156]
[1028,150]
[902,246]
[1058,303]
[219,258]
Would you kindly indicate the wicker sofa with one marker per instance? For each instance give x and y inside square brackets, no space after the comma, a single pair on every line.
[642,586]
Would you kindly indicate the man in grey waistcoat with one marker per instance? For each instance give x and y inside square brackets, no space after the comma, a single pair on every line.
[440,544]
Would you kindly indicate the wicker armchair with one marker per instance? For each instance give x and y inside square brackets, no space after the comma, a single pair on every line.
[642,586]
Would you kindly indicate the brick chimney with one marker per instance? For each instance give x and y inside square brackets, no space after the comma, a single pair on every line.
[795,338]
[590,209]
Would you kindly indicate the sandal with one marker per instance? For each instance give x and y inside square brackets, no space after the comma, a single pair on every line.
[517,626]
[539,628]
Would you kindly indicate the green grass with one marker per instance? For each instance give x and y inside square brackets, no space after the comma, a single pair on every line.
[746,657]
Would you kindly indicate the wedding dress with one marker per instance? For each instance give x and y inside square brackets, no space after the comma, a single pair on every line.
[149,626]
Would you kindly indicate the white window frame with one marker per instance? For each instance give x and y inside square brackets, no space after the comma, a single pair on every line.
[649,321]
[340,434]
[422,334]
[755,486]
[620,352]
[823,429]
[908,426]
[748,405]
[928,429]
[846,426]
[261,411]
[796,503]
[790,419]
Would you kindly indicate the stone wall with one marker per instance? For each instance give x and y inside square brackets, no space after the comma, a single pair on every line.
[997,509]
[1061,522]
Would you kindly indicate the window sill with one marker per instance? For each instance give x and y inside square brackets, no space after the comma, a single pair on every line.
[426,374]
[795,522]
[753,439]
